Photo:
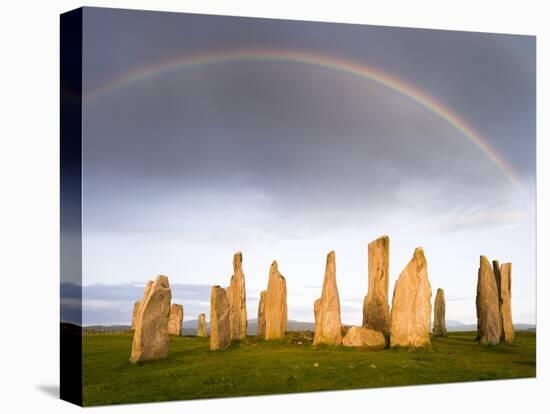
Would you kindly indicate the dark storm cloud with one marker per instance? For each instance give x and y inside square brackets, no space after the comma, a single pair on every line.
[277,131]
[487,79]
[299,133]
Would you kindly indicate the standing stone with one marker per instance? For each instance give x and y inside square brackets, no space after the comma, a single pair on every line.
[507,331]
[146,290]
[376,310]
[496,272]
[135,314]
[478,308]
[176,318]
[261,314]
[361,336]
[201,326]
[151,339]
[487,304]
[220,332]
[275,304]
[236,294]
[439,314]
[411,311]
[328,325]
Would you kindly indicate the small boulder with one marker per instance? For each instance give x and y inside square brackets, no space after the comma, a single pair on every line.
[364,337]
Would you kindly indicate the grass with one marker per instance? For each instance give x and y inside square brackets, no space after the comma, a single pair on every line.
[255,367]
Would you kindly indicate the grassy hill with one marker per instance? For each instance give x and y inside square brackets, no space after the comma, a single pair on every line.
[292,364]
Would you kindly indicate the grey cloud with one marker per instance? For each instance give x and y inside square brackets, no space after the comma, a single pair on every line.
[285,156]
[134,291]
[295,144]
[113,303]
[489,79]
[454,298]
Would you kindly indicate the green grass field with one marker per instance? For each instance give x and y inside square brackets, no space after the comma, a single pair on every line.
[255,367]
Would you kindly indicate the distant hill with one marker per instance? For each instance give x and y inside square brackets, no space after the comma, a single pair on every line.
[525,327]
[105,328]
[190,327]
[456,326]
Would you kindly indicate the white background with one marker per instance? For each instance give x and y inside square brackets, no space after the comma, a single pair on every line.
[29,206]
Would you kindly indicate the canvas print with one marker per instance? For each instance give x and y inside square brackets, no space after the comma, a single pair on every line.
[259,206]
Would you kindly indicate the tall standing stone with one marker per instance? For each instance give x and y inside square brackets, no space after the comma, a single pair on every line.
[135,314]
[496,272]
[376,310]
[151,339]
[487,304]
[146,290]
[478,308]
[261,314]
[201,326]
[275,304]
[328,325]
[507,326]
[220,332]
[439,314]
[411,311]
[236,294]
[176,319]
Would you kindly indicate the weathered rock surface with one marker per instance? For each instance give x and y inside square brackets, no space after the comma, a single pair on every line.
[487,304]
[261,314]
[275,304]
[364,337]
[176,318]
[220,331]
[236,295]
[439,314]
[376,310]
[151,339]
[496,272]
[201,326]
[328,324]
[135,314]
[345,329]
[507,326]
[411,311]
[137,304]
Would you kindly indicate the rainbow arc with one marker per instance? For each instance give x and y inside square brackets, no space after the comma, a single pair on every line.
[361,71]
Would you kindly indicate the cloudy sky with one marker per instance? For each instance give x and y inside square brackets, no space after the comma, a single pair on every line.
[288,160]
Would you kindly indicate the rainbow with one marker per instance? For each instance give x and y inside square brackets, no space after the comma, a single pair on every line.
[361,71]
